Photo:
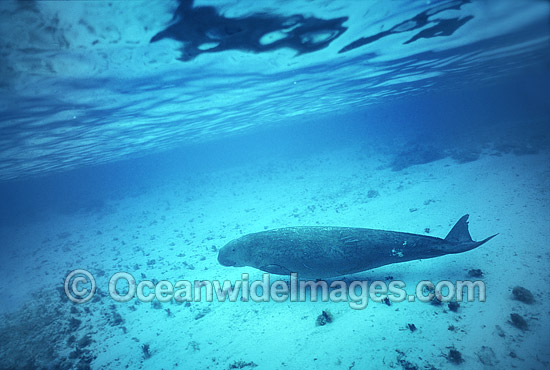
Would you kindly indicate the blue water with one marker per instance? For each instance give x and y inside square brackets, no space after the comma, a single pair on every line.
[141,137]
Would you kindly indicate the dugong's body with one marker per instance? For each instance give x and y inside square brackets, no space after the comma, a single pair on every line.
[325,251]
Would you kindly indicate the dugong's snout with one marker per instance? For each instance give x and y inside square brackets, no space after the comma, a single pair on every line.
[224,258]
[228,255]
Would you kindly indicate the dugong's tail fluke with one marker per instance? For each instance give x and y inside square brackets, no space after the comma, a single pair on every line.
[477,244]
[460,235]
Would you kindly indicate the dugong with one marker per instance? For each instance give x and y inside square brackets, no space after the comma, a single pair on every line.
[327,251]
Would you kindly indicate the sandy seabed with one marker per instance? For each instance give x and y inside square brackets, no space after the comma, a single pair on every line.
[173,231]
